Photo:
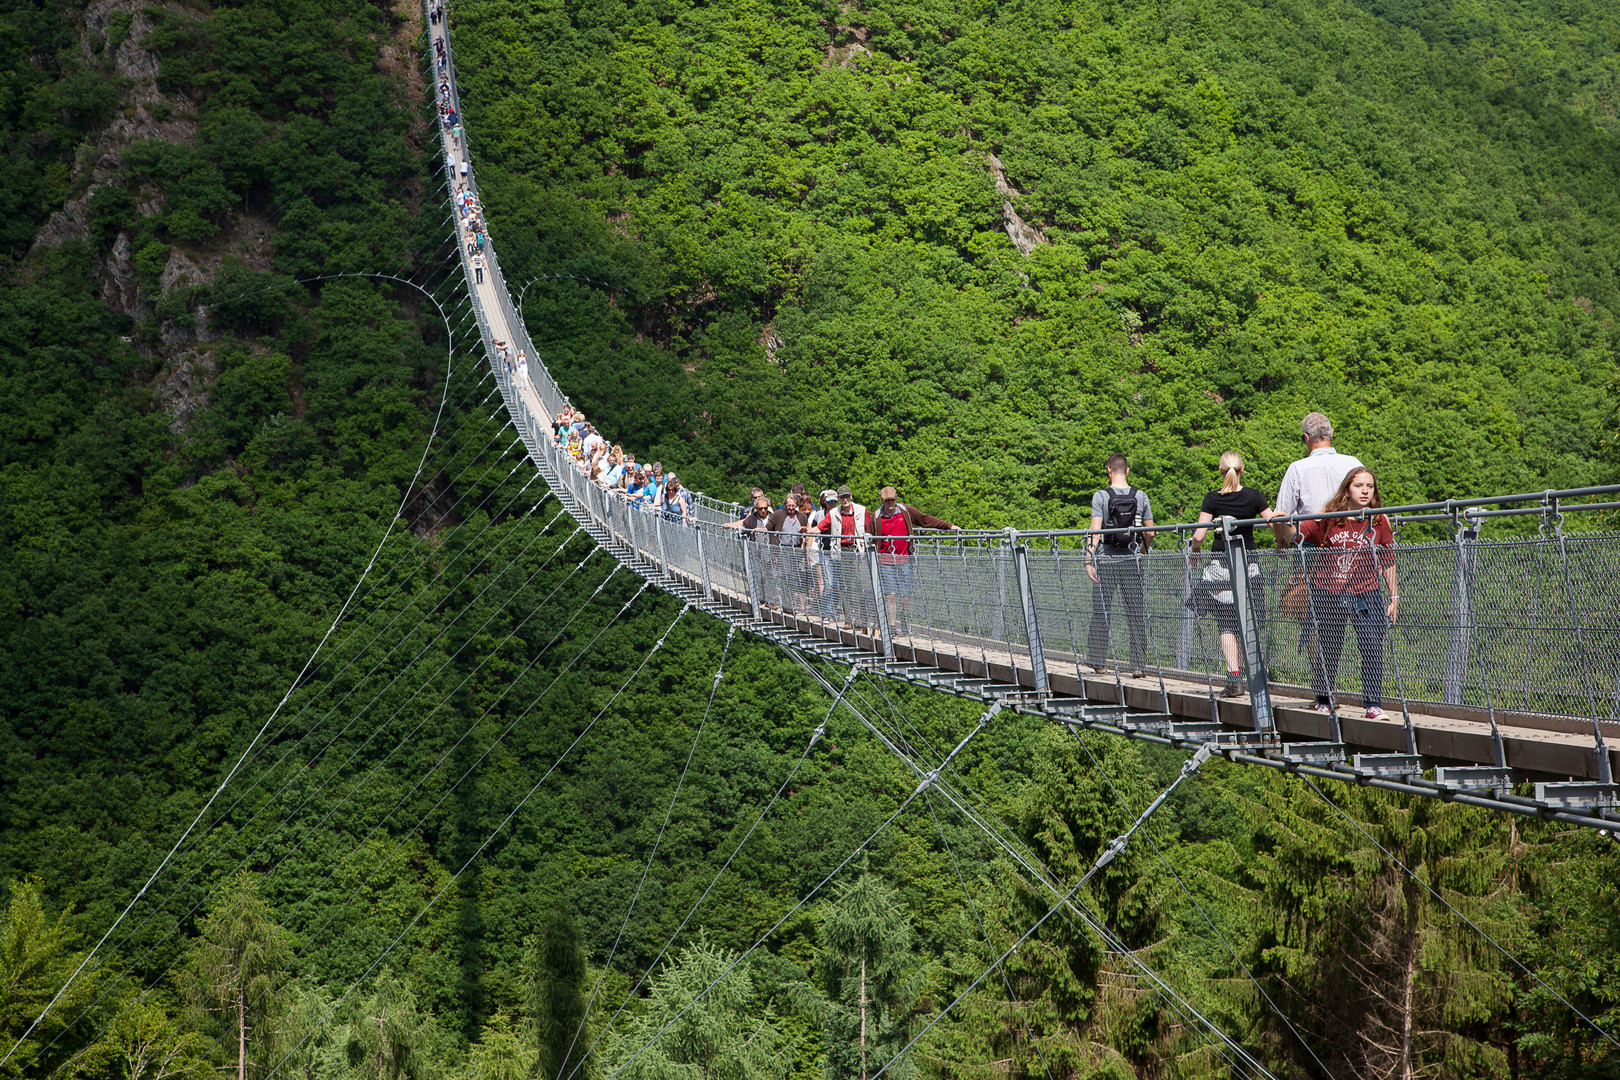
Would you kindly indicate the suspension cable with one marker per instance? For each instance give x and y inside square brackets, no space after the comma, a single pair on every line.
[815,737]
[231,775]
[714,688]
[984,931]
[1157,851]
[490,838]
[420,780]
[1042,875]
[1113,849]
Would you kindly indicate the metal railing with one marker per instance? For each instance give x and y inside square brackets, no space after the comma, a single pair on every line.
[1487,628]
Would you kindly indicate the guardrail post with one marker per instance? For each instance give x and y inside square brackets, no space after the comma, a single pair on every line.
[1184,629]
[878,605]
[998,618]
[1032,629]
[703,561]
[748,575]
[663,552]
[1254,661]
[1455,681]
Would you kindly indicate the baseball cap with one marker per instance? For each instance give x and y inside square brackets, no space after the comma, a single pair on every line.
[844,490]
[829,496]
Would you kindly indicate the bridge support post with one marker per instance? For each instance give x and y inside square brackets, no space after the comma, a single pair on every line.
[748,574]
[1184,629]
[663,552]
[879,601]
[1032,628]
[1455,680]
[998,625]
[703,561]
[1254,660]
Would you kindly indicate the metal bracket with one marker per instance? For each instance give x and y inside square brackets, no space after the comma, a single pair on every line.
[1314,753]
[1475,777]
[1397,766]
[1578,796]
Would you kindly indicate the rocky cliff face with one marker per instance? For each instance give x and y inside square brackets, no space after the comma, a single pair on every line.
[120,28]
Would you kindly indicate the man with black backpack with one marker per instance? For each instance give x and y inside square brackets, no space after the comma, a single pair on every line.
[1114,561]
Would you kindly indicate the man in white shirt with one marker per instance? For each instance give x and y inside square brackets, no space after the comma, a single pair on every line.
[1311,481]
[592,440]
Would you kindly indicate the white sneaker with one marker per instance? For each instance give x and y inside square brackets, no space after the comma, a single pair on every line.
[1375,713]
[1321,708]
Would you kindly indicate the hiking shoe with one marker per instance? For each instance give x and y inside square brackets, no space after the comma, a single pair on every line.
[1098,669]
[1138,673]
[1374,712]
[1322,707]
[1232,690]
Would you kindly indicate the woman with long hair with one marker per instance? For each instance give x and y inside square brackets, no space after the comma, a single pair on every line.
[1233,500]
[1348,575]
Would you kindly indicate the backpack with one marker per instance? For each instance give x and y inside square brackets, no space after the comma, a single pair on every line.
[1120,514]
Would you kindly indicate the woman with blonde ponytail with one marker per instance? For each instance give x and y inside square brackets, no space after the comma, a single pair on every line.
[1245,504]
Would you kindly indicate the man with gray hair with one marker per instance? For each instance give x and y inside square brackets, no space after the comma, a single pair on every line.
[1311,481]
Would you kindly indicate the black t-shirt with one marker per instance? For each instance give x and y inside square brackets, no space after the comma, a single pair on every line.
[1243,503]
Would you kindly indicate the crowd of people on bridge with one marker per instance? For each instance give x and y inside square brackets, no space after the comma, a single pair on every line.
[811,540]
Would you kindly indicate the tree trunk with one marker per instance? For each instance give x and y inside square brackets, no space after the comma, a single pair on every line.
[1406,1010]
[241,1033]
[863,1009]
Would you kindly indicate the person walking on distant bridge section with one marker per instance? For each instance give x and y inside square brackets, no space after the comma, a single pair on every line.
[1115,562]
[1312,480]
[1345,587]
[894,524]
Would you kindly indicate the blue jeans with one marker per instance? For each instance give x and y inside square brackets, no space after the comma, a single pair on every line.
[1365,614]
[895,578]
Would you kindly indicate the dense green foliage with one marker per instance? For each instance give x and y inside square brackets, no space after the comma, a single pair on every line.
[1404,214]
[1407,218]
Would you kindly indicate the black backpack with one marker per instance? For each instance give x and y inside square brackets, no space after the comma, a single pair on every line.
[1121,514]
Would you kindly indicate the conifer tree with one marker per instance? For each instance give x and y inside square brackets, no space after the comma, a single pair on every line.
[390,1038]
[1379,975]
[236,965]
[866,963]
[36,960]
[726,1032]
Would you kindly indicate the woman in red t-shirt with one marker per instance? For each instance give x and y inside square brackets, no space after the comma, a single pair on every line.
[1356,553]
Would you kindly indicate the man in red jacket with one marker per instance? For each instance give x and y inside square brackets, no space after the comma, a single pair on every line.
[894,524]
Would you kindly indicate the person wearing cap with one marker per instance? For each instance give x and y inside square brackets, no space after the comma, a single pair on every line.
[846,525]
[822,566]
[674,501]
[893,525]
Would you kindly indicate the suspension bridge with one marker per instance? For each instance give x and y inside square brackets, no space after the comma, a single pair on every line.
[1502,673]
[1504,663]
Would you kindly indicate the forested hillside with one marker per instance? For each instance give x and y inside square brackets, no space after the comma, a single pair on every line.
[509,821]
[1226,214]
